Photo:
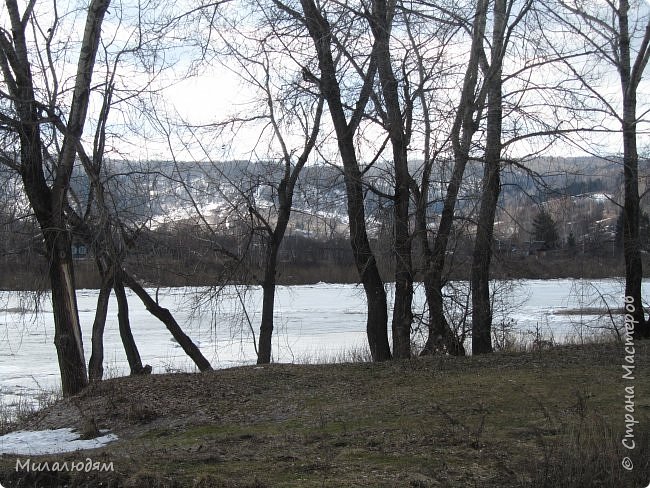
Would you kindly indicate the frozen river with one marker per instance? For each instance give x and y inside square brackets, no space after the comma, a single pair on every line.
[313,322]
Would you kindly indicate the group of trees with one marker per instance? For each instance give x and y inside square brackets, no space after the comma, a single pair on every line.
[402,98]
[46,103]
[545,231]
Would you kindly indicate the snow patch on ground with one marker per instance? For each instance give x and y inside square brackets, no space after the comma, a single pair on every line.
[49,442]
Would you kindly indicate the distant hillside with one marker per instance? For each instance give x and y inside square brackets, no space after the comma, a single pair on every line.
[157,192]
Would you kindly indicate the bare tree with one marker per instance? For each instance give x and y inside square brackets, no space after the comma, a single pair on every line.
[490,188]
[345,121]
[256,196]
[47,180]
[504,23]
[618,35]
[275,233]
[468,113]
[289,104]
[95,217]
[106,232]
[381,23]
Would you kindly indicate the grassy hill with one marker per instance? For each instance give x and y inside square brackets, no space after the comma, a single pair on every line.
[546,418]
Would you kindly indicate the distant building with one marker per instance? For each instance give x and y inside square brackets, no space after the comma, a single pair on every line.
[538,248]
[79,250]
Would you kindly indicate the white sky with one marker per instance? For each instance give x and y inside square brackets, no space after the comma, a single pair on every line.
[213,95]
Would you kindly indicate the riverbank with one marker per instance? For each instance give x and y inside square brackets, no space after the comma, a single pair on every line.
[512,420]
[29,273]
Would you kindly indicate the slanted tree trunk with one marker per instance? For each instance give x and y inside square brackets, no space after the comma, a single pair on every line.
[113,276]
[130,347]
[168,319]
[364,258]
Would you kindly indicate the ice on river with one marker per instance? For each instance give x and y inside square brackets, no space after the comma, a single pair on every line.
[312,321]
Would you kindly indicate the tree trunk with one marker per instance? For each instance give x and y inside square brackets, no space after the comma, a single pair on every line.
[440,334]
[377,321]
[364,259]
[481,259]
[285,200]
[96,363]
[268,304]
[631,207]
[631,220]
[48,194]
[168,319]
[130,347]
[470,107]
[67,330]
[402,309]
[491,187]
